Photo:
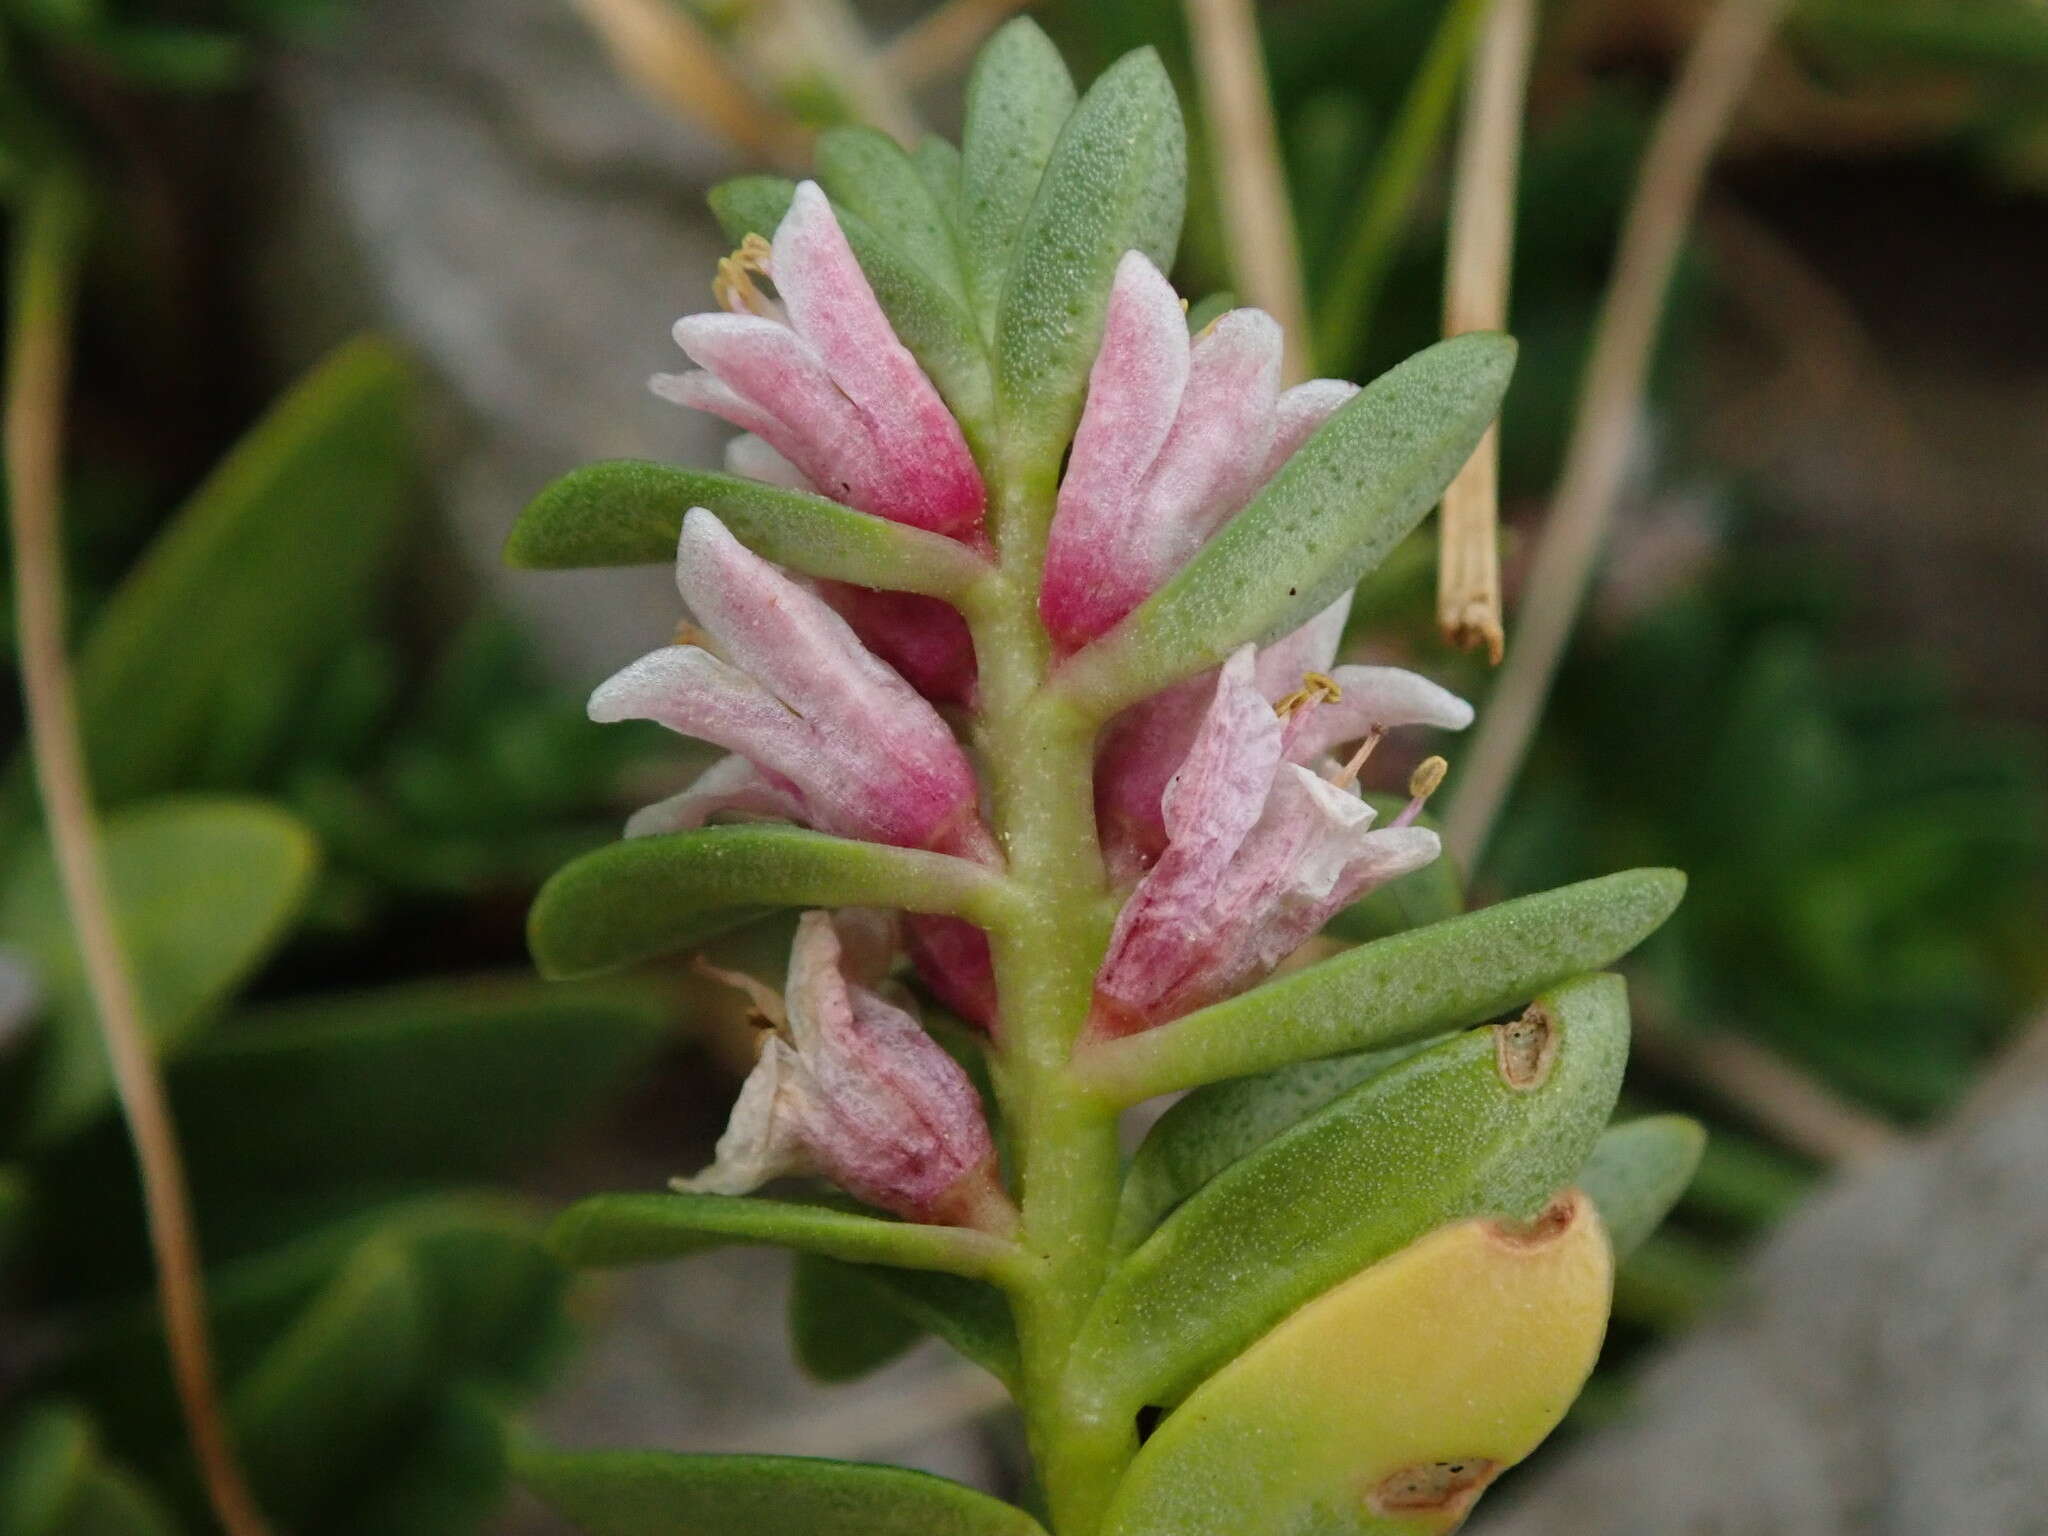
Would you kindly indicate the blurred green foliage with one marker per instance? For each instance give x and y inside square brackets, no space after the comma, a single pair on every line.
[283,804]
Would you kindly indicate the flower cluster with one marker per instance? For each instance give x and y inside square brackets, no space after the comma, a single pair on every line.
[1224,818]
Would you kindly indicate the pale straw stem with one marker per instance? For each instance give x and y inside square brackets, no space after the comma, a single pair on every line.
[1476,282]
[1251,181]
[1717,68]
[39,366]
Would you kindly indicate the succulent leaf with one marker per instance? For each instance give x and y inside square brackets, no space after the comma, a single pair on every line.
[630,512]
[607,1231]
[1491,1123]
[1407,987]
[1637,1173]
[1018,99]
[1336,507]
[1385,1407]
[655,1493]
[649,896]
[1116,182]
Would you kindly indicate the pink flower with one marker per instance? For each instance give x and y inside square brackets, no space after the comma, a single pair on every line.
[849,1086]
[821,378]
[1144,746]
[1260,851]
[1176,436]
[825,733]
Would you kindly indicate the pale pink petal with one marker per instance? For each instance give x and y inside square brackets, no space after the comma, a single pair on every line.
[1143,746]
[1297,415]
[924,638]
[701,391]
[881,763]
[796,405]
[1134,393]
[1142,749]
[766,1137]
[952,959]
[932,480]
[1210,806]
[1131,514]
[732,786]
[1375,698]
[1311,648]
[1216,456]
[1313,852]
[895,1120]
[695,694]
[754,458]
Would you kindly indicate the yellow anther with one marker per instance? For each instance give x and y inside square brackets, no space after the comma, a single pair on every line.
[687,633]
[1316,688]
[1428,774]
[734,287]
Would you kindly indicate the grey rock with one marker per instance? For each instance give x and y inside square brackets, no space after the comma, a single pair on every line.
[471,177]
[1884,1374]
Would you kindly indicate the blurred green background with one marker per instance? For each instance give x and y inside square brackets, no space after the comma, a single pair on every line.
[335,766]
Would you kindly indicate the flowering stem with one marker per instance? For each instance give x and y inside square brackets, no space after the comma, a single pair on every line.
[1040,755]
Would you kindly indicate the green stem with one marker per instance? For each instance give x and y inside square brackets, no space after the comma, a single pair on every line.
[1039,754]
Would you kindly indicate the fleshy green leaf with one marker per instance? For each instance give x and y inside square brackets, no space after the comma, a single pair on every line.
[1018,98]
[1116,182]
[648,896]
[938,163]
[1491,1123]
[864,172]
[655,1493]
[971,1315]
[327,1390]
[55,1480]
[1407,987]
[1420,897]
[841,1326]
[606,1231]
[1385,1407]
[1346,497]
[276,555]
[1213,1127]
[927,319]
[630,512]
[1638,1171]
[203,889]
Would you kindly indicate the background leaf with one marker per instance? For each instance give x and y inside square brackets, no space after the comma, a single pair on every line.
[273,562]
[842,1326]
[202,889]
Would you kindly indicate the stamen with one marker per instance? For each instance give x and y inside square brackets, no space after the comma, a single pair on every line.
[1346,776]
[734,288]
[687,633]
[1316,688]
[766,1005]
[1422,783]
